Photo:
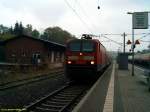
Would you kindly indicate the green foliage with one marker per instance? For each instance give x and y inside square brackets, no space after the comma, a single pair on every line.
[56,34]
[3,29]
[35,33]
[149,46]
[18,29]
[28,29]
[5,32]
[6,36]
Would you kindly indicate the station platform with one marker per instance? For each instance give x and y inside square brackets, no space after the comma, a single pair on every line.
[131,92]
[125,93]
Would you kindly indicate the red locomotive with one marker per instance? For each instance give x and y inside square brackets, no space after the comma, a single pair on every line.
[85,57]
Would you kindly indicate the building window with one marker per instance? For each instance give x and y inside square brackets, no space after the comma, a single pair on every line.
[13,55]
[23,54]
[36,58]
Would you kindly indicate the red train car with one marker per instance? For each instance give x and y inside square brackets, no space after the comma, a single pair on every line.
[85,57]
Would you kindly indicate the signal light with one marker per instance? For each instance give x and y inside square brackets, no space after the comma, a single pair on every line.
[92,62]
[137,42]
[129,42]
[69,62]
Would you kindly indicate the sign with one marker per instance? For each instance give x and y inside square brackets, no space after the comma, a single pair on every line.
[140,20]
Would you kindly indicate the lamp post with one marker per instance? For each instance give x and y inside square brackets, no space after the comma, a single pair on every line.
[133,45]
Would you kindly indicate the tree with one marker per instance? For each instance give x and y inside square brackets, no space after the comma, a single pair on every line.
[28,29]
[3,29]
[21,28]
[35,33]
[44,36]
[11,30]
[56,34]
[16,28]
[149,47]
[5,33]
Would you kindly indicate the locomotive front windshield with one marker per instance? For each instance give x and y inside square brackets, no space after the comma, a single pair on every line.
[82,45]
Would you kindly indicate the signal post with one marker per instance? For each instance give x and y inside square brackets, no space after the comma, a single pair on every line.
[139,21]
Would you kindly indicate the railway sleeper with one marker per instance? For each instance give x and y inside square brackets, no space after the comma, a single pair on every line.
[59,100]
[71,92]
[39,109]
[66,95]
[43,105]
[55,103]
[63,97]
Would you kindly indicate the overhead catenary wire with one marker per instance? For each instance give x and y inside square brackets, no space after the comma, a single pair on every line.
[89,29]
[85,14]
[83,22]
[111,40]
[126,34]
[144,36]
[144,41]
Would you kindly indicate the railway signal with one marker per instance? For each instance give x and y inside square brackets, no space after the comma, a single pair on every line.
[137,42]
[128,42]
[132,48]
[139,21]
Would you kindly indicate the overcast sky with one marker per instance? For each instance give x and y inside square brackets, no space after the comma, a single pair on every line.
[78,17]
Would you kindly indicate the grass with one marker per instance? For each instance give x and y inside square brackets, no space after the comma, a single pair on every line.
[14,75]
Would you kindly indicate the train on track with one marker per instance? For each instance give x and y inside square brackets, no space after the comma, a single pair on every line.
[141,59]
[85,58]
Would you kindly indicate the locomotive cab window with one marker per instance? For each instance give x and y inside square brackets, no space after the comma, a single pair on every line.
[74,46]
[83,46]
[87,46]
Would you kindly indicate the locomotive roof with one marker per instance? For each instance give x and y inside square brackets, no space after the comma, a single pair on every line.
[94,40]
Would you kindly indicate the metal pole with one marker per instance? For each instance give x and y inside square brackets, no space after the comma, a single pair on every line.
[124,42]
[132,48]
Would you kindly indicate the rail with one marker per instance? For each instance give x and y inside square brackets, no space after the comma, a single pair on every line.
[59,100]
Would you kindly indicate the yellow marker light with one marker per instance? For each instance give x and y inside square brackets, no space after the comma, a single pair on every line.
[69,62]
[92,62]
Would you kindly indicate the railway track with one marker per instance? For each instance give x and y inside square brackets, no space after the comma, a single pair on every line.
[22,82]
[60,100]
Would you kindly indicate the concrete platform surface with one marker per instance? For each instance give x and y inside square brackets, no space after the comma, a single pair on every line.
[130,92]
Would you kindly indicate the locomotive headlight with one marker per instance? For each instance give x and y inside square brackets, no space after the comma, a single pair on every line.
[69,62]
[92,62]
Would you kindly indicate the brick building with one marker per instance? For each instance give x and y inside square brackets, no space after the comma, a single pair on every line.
[25,49]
